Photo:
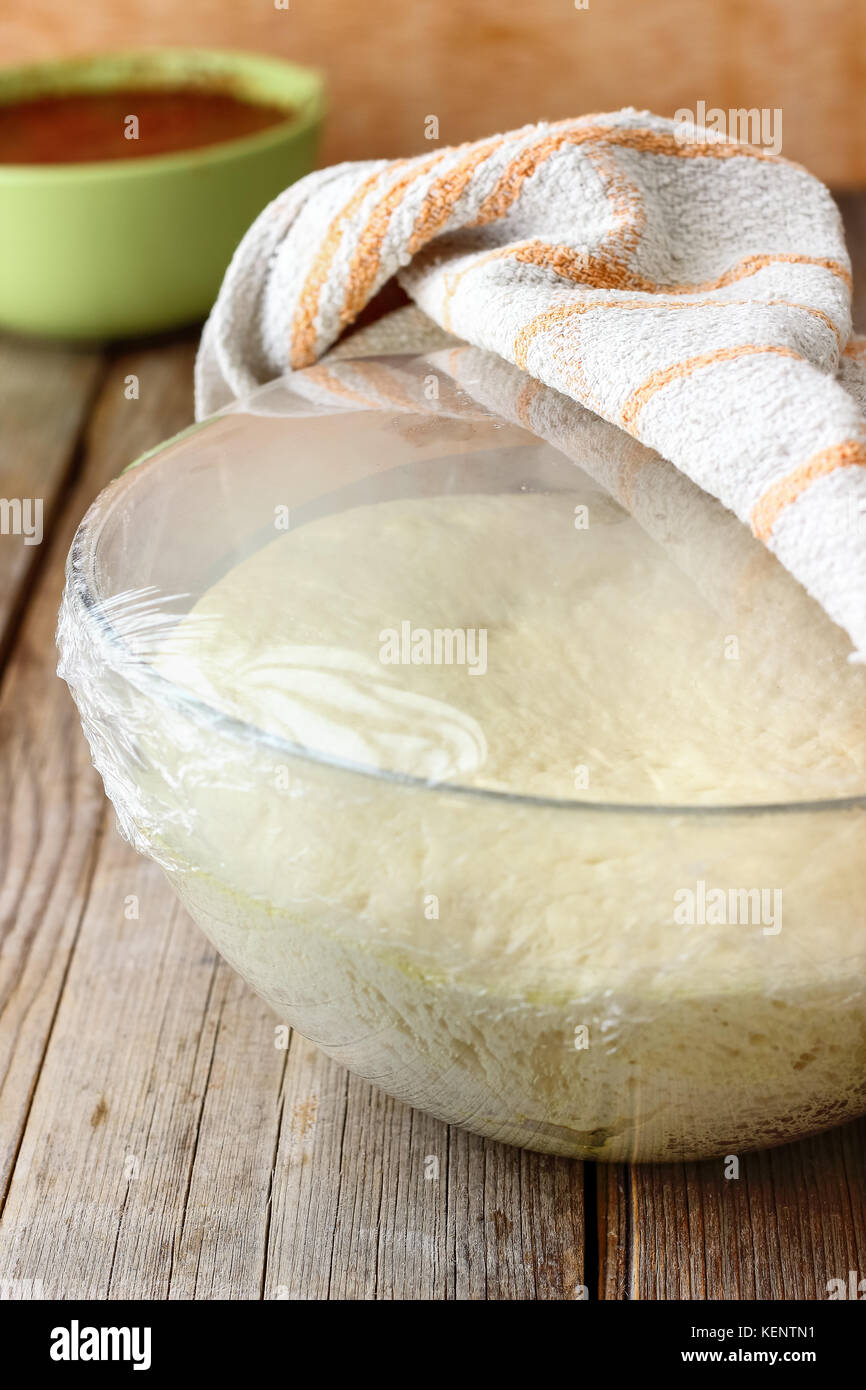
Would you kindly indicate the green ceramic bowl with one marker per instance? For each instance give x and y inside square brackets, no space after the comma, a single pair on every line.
[126,247]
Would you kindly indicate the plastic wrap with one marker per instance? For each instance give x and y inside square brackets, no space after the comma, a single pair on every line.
[539,890]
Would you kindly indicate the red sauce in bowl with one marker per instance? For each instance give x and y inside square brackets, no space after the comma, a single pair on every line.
[93,126]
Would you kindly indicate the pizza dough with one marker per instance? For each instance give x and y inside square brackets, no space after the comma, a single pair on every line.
[564,963]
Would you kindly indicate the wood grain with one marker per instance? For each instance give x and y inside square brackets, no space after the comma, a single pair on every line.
[53,806]
[46,395]
[487,65]
[419,1210]
[793,1219]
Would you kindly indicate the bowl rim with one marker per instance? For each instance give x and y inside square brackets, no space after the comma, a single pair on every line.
[92,72]
[82,566]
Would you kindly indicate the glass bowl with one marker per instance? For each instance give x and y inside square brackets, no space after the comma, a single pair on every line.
[468,890]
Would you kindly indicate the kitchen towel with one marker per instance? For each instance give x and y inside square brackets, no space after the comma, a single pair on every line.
[693,290]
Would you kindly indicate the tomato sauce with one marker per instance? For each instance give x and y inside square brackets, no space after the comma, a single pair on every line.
[88,126]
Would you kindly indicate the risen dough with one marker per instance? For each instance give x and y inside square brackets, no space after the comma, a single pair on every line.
[448,945]
[599,655]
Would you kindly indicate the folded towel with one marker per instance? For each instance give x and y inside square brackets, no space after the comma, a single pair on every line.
[691,290]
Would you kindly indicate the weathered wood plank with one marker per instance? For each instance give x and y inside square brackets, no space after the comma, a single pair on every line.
[54,809]
[45,394]
[613,1229]
[222,1223]
[794,1219]
[516,1220]
[374,1200]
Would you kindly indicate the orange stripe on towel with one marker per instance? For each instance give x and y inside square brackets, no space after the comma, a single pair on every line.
[604,270]
[510,183]
[665,142]
[750,265]
[327,378]
[678,370]
[524,165]
[302,339]
[601,272]
[443,194]
[551,317]
[850,454]
[526,396]
[366,259]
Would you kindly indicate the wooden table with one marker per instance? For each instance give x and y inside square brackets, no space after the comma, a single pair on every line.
[155,1144]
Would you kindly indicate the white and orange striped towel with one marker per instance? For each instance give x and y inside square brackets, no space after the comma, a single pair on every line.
[695,292]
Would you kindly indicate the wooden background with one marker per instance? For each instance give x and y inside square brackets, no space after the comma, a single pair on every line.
[485,65]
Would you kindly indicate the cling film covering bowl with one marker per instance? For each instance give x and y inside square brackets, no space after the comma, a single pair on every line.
[500,760]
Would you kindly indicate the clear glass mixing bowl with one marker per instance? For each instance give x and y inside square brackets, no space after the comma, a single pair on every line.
[549,970]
